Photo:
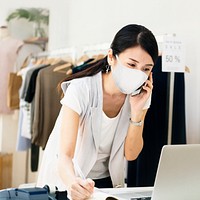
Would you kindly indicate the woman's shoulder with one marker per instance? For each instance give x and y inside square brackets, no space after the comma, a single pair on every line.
[85,83]
[80,93]
[86,79]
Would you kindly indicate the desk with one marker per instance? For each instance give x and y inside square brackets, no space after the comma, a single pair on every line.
[121,193]
[127,193]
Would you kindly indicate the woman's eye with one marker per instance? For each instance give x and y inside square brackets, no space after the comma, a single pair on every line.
[146,69]
[131,64]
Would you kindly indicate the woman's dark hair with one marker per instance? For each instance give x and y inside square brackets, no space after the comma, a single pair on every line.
[135,35]
[129,36]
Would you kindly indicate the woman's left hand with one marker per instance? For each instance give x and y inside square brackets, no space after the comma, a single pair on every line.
[138,101]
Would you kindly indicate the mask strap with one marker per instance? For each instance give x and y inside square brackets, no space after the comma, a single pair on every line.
[117,57]
[118,60]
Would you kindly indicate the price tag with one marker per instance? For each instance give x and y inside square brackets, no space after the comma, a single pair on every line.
[173,55]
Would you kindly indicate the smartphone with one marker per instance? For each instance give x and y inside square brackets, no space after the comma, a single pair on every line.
[139,89]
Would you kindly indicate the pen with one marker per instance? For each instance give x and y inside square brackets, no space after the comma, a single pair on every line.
[80,173]
[78,169]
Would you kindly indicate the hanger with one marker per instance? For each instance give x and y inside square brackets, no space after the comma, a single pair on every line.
[90,61]
[48,61]
[82,59]
[97,57]
[61,67]
[55,61]
[39,61]
[187,69]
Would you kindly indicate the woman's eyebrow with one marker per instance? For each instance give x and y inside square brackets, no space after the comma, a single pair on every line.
[138,62]
[134,60]
[151,65]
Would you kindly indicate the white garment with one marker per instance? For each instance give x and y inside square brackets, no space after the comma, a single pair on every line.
[24,127]
[109,125]
[24,124]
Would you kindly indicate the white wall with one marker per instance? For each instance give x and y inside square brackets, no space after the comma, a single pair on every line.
[78,23]
[93,22]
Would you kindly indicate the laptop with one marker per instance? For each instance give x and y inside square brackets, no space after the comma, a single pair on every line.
[177,177]
[178,174]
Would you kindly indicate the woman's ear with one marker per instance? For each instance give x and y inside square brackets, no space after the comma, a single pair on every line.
[110,57]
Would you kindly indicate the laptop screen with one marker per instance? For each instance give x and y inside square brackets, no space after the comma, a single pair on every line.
[178,174]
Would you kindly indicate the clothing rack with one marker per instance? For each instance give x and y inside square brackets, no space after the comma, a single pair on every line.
[72,52]
[63,52]
[96,48]
[57,53]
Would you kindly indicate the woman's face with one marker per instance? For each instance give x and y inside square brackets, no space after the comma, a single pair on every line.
[134,58]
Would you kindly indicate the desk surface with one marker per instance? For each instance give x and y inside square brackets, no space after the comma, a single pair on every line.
[121,193]
[129,192]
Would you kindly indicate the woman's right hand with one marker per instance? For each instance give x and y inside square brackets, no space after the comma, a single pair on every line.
[81,189]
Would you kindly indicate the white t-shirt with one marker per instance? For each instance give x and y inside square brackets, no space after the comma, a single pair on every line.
[75,98]
[109,125]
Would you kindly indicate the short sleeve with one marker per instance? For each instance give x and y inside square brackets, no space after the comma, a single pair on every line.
[75,97]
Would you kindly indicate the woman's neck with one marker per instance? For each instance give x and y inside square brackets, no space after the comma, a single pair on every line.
[109,86]
[4,33]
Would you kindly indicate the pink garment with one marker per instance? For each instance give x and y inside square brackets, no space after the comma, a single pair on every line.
[8,54]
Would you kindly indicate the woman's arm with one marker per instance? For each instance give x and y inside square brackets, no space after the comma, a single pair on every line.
[78,188]
[134,139]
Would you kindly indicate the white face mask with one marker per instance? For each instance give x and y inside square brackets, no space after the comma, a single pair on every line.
[126,79]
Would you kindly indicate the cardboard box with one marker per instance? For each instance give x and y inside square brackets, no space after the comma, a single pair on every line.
[5,170]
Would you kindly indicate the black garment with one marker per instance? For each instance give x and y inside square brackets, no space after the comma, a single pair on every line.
[178,121]
[31,86]
[142,171]
[83,66]
[103,183]
[34,157]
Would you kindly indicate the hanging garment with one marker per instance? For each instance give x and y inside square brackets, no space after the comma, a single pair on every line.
[46,108]
[27,108]
[47,104]
[30,92]
[178,120]
[27,72]
[142,171]
[23,142]
[9,48]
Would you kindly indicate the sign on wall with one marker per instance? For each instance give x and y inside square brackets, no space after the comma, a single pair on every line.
[173,55]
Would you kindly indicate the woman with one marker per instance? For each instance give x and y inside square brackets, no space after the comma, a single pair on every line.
[102,115]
